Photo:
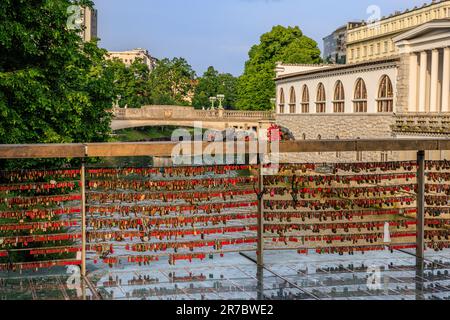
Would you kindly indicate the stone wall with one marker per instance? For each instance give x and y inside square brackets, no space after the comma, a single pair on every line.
[331,126]
[345,126]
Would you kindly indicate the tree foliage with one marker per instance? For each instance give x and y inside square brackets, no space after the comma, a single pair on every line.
[256,86]
[131,83]
[213,83]
[53,87]
[172,82]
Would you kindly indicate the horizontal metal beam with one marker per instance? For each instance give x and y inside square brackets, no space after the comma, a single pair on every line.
[165,149]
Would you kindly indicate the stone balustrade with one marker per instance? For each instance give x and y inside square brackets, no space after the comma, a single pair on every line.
[416,123]
[187,113]
[262,115]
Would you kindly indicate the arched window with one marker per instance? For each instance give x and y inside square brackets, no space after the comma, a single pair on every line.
[360,101]
[385,99]
[305,99]
[339,98]
[304,136]
[282,101]
[292,101]
[321,99]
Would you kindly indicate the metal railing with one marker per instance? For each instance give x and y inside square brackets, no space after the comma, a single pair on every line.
[165,149]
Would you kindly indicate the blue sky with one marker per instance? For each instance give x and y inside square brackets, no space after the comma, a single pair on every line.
[220,32]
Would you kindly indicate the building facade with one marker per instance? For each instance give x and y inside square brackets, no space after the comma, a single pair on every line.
[128,57]
[334,49]
[425,68]
[371,41]
[90,20]
[335,45]
[405,95]
[343,89]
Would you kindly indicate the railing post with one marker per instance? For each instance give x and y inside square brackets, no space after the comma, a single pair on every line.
[260,245]
[260,285]
[420,207]
[83,218]
[420,251]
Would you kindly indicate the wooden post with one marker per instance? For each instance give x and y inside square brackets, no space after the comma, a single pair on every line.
[83,219]
[420,207]
[260,246]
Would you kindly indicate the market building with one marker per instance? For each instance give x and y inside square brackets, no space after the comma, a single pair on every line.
[403,95]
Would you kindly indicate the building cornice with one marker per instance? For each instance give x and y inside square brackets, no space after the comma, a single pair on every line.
[352,114]
[343,69]
[405,12]
[390,34]
[281,64]
[435,24]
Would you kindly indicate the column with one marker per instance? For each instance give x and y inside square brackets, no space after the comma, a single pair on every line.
[434,80]
[446,81]
[412,96]
[423,82]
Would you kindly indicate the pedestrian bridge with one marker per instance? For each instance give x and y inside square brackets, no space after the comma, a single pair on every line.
[147,116]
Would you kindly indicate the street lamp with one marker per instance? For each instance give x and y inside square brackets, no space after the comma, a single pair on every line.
[212,100]
[117,103]
[273,101]
[221,98]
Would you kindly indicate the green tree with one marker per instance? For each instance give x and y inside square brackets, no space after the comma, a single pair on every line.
[131,83]
[172,82]
[208,86]
[53,87]
[256,86]
[213,83]
[228,86]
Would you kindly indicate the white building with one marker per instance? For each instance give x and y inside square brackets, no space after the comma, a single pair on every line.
[416,80]
[428,49]
[128,57]
[404,95]
[339,89]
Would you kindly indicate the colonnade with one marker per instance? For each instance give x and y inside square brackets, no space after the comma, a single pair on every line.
[429,81]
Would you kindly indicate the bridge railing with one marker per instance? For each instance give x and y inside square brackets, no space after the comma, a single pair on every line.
[262,115]
[187,113]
